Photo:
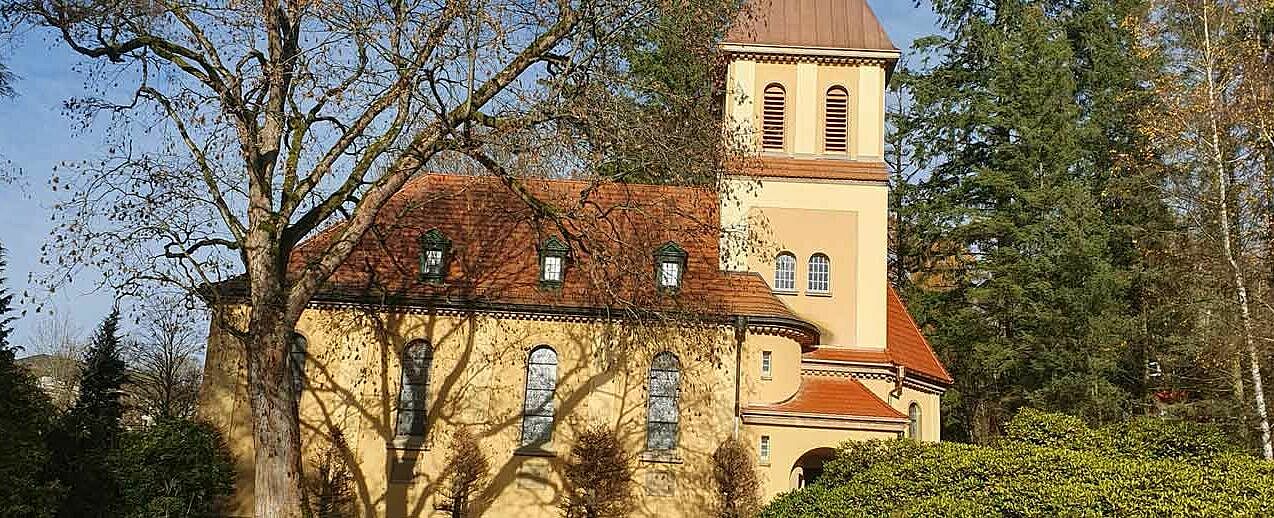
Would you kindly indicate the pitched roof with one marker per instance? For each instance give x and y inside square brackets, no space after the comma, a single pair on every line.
[824,24]
[613,231]
[905,345]
[832,396]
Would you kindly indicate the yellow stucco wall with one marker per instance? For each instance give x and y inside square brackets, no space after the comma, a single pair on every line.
[477,381]
[806,84]
[849,220]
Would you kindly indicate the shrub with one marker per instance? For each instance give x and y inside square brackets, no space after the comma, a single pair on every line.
[737,485]
[175,468]
[468,470]
[332,484]
[1121,470]
[28,488]
[598,477]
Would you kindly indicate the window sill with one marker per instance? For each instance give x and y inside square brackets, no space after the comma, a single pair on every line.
[764,463]
[767,378]
[533,451]
[786,292]
[407,443]
[661,457]
[819,293]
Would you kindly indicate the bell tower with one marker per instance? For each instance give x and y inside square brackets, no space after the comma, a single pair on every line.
[809,212]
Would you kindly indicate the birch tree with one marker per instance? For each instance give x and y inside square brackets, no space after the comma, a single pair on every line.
[1203,130]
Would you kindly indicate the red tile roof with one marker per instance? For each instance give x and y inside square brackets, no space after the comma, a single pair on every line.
[827,24]
[613,230]
[905,345]
[834,396]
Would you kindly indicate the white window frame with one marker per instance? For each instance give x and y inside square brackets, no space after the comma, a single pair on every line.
[825,274]
[767,365]
[763,449]
[552,268]
[670,274]
[785,280]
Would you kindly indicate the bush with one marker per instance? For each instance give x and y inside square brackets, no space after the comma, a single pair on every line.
[172,469]
[332,484]
[737,484]
[468,470]
[27,487]
[1140,468]
[598,477]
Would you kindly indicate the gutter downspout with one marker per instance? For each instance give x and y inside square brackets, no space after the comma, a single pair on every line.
[901,373]
[740,334]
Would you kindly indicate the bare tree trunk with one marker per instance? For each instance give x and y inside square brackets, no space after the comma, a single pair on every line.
[279,491]
[1227,247]
[275,428]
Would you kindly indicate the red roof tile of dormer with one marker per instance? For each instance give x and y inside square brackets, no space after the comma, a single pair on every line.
[495,262]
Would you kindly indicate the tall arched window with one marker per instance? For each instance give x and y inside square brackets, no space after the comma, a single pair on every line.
[773,117]
[820,274]
[913,421]
[413,401]
[296,362]
[785,272]
[662,412]
[537,411]
[836,122]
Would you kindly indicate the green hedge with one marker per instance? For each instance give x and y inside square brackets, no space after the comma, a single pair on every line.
[171,469]
[1046,465]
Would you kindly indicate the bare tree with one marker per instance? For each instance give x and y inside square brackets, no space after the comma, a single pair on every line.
[62,340]
[166,373]
[248,127]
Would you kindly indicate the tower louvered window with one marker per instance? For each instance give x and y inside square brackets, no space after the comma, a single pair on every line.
[773,117]
[836,127]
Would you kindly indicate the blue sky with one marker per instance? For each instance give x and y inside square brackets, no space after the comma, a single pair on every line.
[35,136]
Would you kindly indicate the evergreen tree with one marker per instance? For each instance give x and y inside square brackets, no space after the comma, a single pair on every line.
[1031,274]
[89,430]
[25,417]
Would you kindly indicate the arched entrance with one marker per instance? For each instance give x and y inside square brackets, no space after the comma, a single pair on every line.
[809,467]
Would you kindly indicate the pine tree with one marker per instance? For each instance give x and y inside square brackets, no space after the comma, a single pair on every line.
[88,431]
[25,417]
[1029,273]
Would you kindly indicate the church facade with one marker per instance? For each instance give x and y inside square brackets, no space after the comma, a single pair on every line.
[677,317]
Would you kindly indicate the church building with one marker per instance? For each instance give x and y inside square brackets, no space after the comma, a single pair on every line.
[678,317]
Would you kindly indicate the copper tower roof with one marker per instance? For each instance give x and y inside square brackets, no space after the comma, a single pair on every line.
[826,24]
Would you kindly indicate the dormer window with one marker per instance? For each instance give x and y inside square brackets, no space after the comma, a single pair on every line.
[670,266]
[435,250]
[552,262]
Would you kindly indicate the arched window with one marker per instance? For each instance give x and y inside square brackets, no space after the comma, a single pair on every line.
[296,362]
[413,401]
[836,123]
[820,274]
[773,117]
[785,272]
[537,411]
[913,421]
[661,412]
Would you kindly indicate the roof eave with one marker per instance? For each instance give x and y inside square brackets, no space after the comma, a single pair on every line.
[890,55]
